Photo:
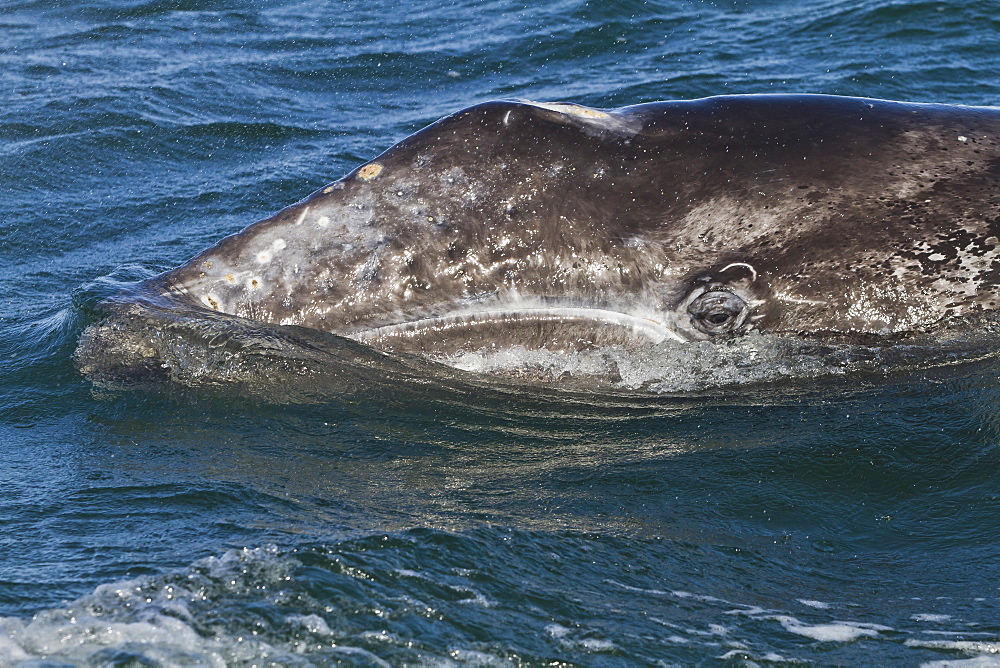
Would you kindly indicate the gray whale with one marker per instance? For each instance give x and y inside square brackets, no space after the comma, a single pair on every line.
[557,226]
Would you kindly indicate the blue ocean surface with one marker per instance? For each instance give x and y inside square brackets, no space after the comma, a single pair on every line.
[809,514]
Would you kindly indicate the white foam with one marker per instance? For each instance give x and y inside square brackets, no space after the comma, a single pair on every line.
[988,652]
[557,630]
[976,662]
[565,635]
[157,618]
[744,654]
[597,645]
[928,617]
[966,646]
[712,630]
[472,658]
[697,597]
[750,611]
[11,642]
[832,632]
[819,605]
[475,598]
[75,635]
[312,623]
[639,590]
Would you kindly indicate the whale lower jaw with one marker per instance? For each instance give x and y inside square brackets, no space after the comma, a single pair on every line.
[566,329]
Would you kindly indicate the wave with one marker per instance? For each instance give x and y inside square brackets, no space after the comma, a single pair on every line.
[427,596]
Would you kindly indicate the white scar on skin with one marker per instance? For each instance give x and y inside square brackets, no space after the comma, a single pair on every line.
[742,264]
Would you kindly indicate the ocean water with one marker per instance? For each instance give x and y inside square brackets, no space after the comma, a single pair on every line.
[841,509]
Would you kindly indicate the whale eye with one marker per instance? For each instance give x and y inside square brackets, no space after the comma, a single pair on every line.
[717,312]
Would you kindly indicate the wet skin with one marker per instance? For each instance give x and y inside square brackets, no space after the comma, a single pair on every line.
[560,226]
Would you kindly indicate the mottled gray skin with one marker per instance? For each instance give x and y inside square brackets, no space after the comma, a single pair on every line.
[517,223]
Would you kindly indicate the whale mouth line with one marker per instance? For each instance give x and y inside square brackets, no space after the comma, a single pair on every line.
[645,329]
